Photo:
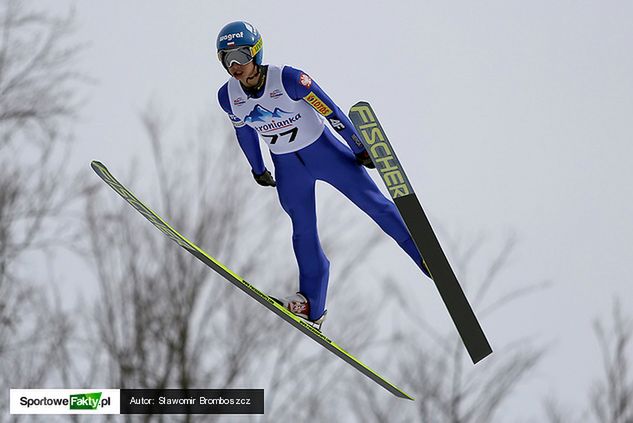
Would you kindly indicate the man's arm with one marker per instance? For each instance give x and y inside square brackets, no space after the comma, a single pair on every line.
[246,136]
[300,86]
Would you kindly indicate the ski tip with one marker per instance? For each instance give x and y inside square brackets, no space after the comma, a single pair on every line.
[98,167]
[96,163]
[360,103]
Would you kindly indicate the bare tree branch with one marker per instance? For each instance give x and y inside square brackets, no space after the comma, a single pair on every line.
[38,103]
[434,366]
[612,398]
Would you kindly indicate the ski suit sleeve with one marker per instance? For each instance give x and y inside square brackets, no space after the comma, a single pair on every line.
[246,136]
[300,86]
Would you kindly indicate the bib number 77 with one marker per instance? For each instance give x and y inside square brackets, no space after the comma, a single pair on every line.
[292,132]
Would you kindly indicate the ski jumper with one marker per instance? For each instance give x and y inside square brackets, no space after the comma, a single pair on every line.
[288,113]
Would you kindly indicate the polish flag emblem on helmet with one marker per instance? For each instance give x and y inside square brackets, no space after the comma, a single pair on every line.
[305,80]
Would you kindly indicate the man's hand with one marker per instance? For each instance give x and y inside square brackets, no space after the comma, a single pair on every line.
[265,179]
[364,159]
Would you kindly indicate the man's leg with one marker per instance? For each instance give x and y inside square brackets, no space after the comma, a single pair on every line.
[338,167]
[295,186]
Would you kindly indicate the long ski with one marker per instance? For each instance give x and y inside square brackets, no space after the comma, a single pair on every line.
[384,158]
[269,302]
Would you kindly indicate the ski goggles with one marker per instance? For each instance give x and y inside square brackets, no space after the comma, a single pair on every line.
[241,55]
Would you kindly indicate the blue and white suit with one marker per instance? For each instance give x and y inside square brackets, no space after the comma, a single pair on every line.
[288,114]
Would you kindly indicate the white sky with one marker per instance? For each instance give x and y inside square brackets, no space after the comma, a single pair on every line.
[508,116]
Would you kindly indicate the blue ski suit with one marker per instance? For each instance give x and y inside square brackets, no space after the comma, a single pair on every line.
[303,161]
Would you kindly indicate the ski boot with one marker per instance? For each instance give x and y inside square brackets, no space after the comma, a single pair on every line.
[298,305]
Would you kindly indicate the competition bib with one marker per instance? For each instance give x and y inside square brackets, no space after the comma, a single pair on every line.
[284,124]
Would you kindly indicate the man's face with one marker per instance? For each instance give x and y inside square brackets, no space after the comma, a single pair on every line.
[244,73]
